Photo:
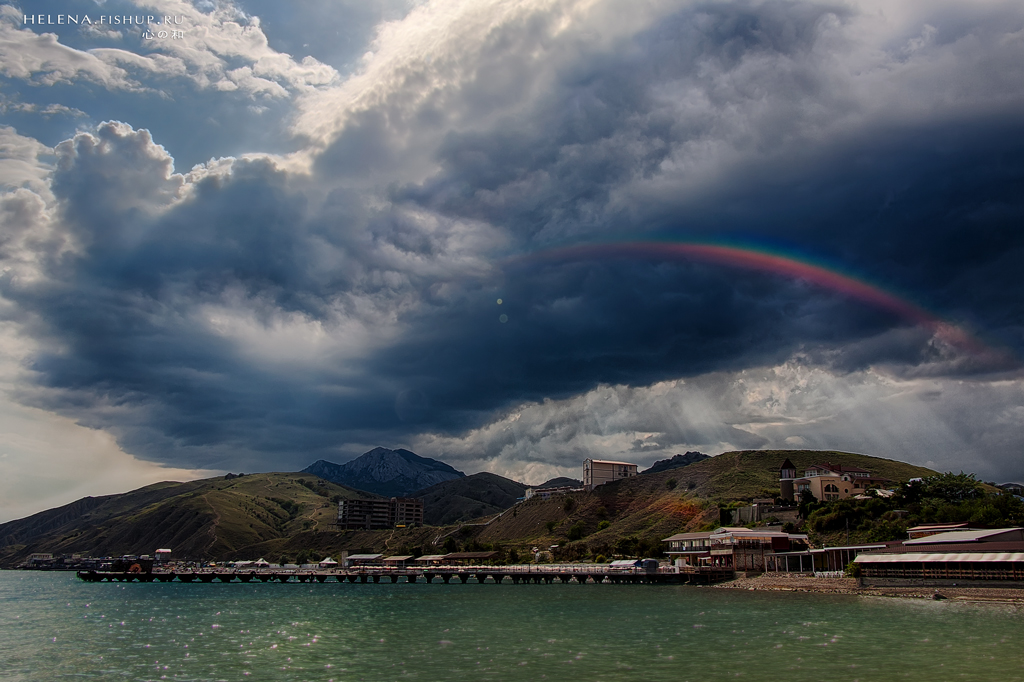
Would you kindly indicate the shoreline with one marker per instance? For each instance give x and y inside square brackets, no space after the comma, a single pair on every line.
[787,582]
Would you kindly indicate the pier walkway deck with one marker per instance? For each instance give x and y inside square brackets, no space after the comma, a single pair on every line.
[565,574]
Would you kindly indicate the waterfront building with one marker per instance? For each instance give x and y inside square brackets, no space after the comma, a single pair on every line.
[836,559]
[941,568]
[469,558]
[926,529]
[354,560]
[741,549]
[969,536]
[687,548]
[600,471]
[631,565]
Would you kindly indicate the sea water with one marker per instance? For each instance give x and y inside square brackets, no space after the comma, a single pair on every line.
[55,627]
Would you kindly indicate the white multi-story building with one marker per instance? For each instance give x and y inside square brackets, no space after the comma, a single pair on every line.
[600,471]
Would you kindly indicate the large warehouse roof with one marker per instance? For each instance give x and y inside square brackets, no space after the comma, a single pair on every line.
[921,557]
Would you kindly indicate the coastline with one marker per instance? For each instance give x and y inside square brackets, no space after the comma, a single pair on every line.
[788,582]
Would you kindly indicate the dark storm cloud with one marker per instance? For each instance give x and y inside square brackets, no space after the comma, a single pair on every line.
[724,121]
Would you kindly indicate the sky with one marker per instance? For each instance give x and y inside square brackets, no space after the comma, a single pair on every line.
[508,234]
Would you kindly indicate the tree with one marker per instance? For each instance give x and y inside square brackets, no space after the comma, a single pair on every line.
[953,487]
[626,546]
[808,503]
[577,531]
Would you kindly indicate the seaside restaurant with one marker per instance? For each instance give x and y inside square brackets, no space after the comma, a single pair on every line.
[741,549]
[357,560]
[398,561]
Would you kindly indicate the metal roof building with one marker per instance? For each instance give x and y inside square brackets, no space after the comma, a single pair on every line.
[941,567]
[961,536]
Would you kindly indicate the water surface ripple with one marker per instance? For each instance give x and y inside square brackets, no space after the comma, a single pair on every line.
[53,626]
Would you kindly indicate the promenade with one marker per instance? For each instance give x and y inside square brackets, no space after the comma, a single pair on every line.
[564,574]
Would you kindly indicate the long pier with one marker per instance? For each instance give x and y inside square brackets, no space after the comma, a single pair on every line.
[495,575]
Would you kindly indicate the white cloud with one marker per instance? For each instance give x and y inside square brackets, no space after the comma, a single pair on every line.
[947,424]
[486,68]
[423,70]
[827,74]
[25,54]
[222,49]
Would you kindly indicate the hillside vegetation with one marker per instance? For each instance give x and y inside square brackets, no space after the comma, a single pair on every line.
[211,518]
[942,498]
[747,474]
[468,498]
[289,516]
[630,517]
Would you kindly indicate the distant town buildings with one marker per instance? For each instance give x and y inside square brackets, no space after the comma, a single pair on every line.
[380,513]
[547,493]
[600,471]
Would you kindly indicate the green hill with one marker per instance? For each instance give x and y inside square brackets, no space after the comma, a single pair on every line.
[290,515]
[746,474]
[210,518]
[471,497]
[631,516]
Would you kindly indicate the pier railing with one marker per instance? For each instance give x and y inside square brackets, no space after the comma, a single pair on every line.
[516,573]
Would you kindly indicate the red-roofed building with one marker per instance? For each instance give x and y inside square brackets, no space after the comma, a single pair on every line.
[826,481]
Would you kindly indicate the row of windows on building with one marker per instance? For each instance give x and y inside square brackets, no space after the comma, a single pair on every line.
[380,513]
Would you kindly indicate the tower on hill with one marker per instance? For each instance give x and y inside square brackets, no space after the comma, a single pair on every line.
[787,474]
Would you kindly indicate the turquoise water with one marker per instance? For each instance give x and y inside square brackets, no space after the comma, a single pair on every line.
[53,626]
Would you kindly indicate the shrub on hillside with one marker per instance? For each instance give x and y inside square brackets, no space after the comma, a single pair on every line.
[577,531]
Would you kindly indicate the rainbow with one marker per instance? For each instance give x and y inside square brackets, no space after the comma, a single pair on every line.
[772,263]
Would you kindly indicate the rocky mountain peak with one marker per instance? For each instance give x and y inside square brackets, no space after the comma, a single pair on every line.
[386,472]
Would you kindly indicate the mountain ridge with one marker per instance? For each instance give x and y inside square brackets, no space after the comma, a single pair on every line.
[676,462]
[293,514]
[382,471]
